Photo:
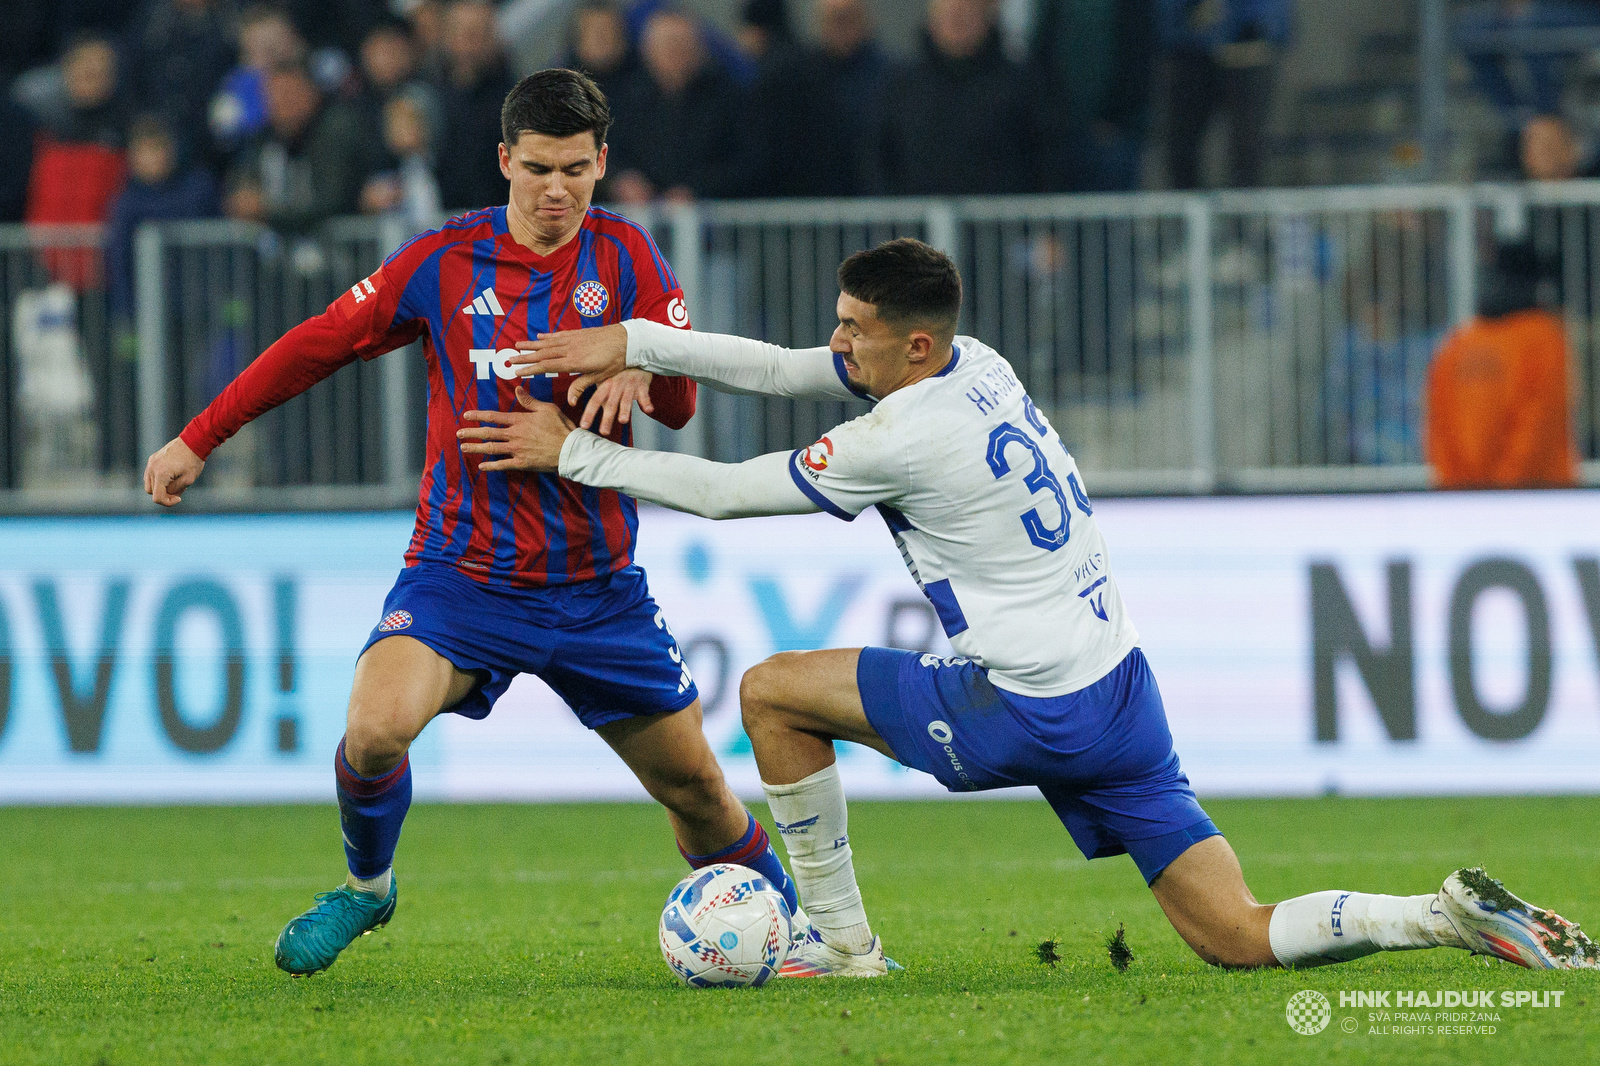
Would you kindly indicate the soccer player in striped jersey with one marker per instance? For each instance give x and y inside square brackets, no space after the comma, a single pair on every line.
[1048,687]
[507,572]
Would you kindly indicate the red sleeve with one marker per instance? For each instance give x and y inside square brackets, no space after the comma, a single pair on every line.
[673,397]
[360,323]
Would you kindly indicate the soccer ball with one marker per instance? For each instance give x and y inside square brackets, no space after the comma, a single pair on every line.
[725,925]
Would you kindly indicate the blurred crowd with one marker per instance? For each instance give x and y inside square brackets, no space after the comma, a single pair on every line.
[296,111]
[290,113]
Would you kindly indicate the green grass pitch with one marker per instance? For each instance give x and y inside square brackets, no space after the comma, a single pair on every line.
[527,934]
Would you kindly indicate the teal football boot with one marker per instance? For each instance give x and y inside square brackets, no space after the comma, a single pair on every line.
[310,943]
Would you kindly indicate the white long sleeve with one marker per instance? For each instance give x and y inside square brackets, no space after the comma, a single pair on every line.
[737,364]
[759,486]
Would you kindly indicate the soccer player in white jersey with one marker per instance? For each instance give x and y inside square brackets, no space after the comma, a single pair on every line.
[1049,686]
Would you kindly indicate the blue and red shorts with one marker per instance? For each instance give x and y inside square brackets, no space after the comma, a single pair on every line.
[603,645]
[1102,756]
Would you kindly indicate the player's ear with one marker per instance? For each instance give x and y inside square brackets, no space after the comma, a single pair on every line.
[505,161]
[921,346]
[600,162]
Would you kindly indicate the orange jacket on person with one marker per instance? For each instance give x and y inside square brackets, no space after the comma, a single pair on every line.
[1497,405]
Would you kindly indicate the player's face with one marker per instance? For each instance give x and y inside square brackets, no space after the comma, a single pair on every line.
[552,182]
[877,357]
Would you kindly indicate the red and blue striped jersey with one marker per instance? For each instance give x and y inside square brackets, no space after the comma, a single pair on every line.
[471,292]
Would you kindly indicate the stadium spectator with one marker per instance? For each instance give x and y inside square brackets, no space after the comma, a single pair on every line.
[958,120]
[78,158]
[159,187]
[764,34]
[388,72]
[307,166]
[681,134]
[1223,58]
[474,84]
[1549,151]
[426,19]
[267,41]
[722,48]
[1378,361]
[1520,84]
[178,53]
[598,45]
[1498,412]
[408,186]
[74,98]
[817,103]
[1094,60]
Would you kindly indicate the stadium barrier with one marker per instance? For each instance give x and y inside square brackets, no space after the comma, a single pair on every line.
[1393,644]
[1239,341]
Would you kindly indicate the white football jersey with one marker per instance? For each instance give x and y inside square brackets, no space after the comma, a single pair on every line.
[992,518]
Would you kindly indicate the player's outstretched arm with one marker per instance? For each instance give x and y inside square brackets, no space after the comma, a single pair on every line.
[298,360]
[542,439]
[171,470]
[727,363]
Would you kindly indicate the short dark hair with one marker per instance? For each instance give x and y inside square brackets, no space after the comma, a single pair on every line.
[556,103]
[907,281]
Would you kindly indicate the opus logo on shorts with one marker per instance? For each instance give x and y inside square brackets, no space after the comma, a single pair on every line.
[942,735]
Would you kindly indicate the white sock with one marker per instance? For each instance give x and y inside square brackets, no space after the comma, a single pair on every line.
[1327,927]
[378,886]
[812,821]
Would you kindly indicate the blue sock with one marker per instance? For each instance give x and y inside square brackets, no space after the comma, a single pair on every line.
[755,851]
[371,810]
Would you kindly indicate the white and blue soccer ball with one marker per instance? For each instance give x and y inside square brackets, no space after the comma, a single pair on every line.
[725,925]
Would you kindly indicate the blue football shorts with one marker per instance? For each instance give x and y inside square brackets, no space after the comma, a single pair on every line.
[1102,756]
[603,645]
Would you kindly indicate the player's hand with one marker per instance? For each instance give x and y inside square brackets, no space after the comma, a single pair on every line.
[595,355]
[529,441]
[171,470]
[613,401]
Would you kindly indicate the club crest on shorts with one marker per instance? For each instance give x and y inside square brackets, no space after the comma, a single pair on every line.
[591,299]
[394,620]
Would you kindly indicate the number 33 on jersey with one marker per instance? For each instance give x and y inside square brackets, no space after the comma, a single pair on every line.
[990,514]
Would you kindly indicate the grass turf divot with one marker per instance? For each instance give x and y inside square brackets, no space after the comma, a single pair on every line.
[1117,949]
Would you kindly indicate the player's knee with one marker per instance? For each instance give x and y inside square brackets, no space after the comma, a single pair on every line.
[375,740]
[763,687]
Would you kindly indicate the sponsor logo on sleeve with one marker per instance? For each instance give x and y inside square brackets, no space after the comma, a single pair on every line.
[817,457]
[677,313]
[364,289]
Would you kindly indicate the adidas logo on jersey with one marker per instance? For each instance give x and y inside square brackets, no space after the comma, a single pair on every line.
[487,303]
